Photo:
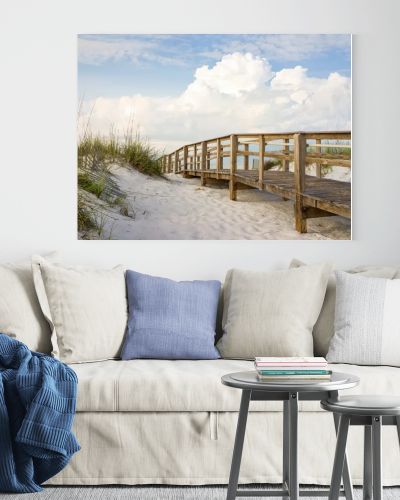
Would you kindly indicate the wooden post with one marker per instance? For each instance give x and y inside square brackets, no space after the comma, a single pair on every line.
[195,157]
[299,180]
[219,157]
[185,157]
[233,167]
[318,152]
[203,159]
[286,162]
[203,162]
[261,154]
[176,159]
[169,164]
[246,157]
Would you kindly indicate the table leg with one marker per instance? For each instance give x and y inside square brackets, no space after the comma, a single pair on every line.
[347,482]
[238,447]
[285,447]
[367,486]
[377,457]
[340,454]
[293,446]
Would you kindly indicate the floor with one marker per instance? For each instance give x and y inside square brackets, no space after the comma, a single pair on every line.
[152,493]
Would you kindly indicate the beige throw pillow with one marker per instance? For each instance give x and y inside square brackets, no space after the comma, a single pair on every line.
[86,309]
[325,326]
[272,313]
[20,315]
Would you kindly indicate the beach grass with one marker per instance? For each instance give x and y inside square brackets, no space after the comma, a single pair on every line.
[86,182]
[96,153]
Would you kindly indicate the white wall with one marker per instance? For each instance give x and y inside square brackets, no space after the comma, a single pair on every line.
[38,111]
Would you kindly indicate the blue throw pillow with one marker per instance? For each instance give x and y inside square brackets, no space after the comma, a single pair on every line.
[170,319]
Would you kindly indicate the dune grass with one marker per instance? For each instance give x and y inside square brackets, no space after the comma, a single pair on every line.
[130,149]
[90,185]
[95,155]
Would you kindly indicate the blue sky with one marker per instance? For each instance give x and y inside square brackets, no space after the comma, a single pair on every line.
[159,65]
[182,88]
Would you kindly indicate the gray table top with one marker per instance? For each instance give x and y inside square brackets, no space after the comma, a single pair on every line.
[364,405]
[249,380]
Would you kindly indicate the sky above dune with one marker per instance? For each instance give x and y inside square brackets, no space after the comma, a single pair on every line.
[179,89]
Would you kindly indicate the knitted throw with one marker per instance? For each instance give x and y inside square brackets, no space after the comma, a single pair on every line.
[37,407]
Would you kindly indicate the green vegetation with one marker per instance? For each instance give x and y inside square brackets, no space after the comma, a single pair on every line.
[96,154]
[335,148]
[331,150]
[91,186]
[86,219]
[131,150]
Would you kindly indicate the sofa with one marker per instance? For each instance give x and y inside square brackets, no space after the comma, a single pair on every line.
[172,422]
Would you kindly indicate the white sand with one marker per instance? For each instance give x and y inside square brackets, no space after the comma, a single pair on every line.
[177,208]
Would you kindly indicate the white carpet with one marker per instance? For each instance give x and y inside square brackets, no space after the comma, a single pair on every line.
[152,493]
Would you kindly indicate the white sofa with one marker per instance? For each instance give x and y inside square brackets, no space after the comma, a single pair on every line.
[173,422]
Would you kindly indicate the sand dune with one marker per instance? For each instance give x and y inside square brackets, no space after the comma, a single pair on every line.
[177,208]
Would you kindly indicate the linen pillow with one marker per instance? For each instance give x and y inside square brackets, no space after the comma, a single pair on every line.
[170,319]
[367,321]
[86,310]
[272,313]
[324,327]
[20,314]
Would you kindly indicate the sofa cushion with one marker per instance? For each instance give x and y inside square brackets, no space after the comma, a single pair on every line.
[272,313]
[86,309]
[170,319]
[161,385]
[367,321]
[20,315]
[324,327]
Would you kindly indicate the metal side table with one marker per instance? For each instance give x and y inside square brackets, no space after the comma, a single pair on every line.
[372,412]
[290,392]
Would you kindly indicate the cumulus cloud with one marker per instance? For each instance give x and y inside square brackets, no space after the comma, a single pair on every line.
[234,75]
[238,94]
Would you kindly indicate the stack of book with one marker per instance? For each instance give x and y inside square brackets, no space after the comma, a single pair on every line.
[292,368]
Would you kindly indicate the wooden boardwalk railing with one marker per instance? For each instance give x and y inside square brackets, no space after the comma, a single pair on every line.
[278,165]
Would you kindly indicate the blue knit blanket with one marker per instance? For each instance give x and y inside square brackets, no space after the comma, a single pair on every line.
[37,406]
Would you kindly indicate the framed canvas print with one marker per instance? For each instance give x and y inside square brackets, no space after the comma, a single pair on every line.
[214,137]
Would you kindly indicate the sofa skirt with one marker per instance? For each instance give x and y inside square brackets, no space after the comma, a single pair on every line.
[195,448]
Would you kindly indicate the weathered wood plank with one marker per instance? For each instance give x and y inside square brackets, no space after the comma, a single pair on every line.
[287,151]
[203,157]
[261,155]
[233,167]
[219,157]
[318,152]
[246,156]
[299,180]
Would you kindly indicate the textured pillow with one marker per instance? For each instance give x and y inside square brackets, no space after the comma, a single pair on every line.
[86,310]
[170,319]
[367,321]
[324,327]
[272,313]
[20,314]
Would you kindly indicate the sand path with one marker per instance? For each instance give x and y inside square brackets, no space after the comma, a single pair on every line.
[177,208]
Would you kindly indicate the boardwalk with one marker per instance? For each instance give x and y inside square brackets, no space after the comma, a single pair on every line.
[275,163]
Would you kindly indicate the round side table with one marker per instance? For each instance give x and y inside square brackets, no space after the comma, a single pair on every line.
[290,392]
[371,412]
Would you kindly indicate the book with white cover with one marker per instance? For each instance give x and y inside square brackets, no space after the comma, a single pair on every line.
[290,361]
